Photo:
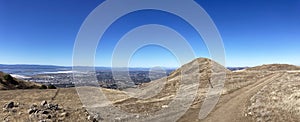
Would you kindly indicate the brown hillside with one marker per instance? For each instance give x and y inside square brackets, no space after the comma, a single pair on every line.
[274,67]
[201,68]
[7,82]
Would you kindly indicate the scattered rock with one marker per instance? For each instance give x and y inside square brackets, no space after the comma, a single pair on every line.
[46,120]
[44,103]
[9,105]
[32,110]
[118,119]
[89,117]
[53,107]
[60,119]
[33,106]
[65,114]
[5,110]
[14,110]
[17,105]
[44,112]
[95,118]
[250,113]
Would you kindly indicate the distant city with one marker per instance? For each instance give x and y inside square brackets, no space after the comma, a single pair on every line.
[60,76]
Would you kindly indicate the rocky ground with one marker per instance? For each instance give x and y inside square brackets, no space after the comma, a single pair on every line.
[46,105]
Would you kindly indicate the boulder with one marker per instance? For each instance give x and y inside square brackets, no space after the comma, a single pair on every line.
[44,103]
[9,105]
[32,110]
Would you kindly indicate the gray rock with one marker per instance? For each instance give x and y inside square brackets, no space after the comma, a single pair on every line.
[95,118]
[44,112]
[14,110]
[32,110]
[37,111]
[64,114]
[5,110]
[17,105]
[46,120]
[9,105]
[44,103]
[33,106]
[49,117]
[53,107]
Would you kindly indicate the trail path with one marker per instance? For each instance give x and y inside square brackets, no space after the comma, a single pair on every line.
[232,106]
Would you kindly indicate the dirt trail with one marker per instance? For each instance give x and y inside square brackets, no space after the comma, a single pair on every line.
[55,95]
[231,107]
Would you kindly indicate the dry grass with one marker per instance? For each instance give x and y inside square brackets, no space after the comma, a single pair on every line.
[278,101]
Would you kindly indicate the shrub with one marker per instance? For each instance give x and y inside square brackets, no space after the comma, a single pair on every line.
[8,77]
[51,87]
[43,87]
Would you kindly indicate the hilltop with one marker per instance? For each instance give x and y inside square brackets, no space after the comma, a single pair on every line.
[274,67]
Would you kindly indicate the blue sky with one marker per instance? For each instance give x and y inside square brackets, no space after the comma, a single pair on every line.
[254,32]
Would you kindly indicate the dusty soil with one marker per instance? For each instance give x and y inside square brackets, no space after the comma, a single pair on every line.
[66,98]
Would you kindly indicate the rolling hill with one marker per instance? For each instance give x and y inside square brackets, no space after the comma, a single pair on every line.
[7,82]
[274,67]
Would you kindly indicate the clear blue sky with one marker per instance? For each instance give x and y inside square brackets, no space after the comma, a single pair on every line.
[254,32]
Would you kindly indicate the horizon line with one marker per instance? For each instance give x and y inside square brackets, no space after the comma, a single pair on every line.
[54,65]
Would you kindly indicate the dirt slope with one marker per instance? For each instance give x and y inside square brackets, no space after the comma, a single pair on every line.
[67,100]
[7,82]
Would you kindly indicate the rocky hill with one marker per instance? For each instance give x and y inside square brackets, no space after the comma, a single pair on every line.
[274,67]
[7,82]
[190,79]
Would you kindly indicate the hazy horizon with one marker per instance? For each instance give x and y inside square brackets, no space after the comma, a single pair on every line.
[138,67]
